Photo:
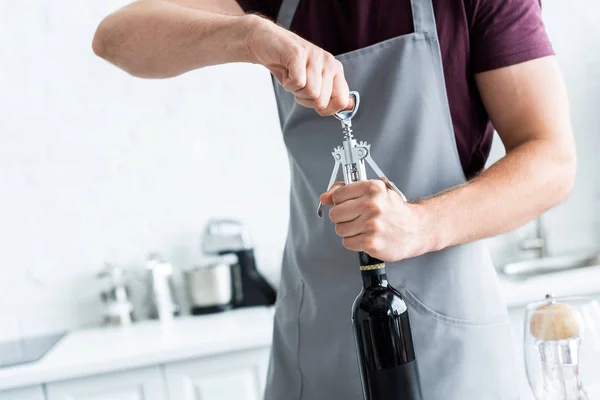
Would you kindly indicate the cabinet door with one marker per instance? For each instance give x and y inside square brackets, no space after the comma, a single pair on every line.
[236,376]
[139,384]
[29,393]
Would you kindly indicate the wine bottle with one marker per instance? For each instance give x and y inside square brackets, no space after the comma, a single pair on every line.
[383,338]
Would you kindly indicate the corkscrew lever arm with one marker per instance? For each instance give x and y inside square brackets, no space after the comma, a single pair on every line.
[384,178]
[334,174]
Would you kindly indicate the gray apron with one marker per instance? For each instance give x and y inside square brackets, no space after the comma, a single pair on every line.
[459,319]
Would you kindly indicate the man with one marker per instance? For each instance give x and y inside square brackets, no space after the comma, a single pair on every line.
[432,74]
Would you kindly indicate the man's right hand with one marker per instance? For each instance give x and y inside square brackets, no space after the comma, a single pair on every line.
[312,75]
[162,39]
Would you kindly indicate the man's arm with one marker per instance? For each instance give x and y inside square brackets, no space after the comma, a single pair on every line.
[528,106]
[161,39]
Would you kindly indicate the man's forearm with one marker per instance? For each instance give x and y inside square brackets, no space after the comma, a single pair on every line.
[156,39]
[530,179]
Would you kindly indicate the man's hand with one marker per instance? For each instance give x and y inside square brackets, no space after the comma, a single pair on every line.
[312,75]
[373,219]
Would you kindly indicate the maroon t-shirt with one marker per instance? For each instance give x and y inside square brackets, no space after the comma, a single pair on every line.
[474,35]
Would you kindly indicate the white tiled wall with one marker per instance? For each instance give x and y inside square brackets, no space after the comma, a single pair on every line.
[97,166]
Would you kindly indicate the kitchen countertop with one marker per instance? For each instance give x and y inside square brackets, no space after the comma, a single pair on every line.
[568,283]
[105,349]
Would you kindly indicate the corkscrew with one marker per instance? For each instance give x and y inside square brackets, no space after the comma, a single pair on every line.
[352,155]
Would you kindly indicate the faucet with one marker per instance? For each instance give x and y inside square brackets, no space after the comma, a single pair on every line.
[538,242]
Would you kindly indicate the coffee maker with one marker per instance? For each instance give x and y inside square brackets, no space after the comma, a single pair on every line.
[227,239]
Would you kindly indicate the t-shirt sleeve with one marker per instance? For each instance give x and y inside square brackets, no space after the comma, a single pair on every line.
[507,32]
[263,7]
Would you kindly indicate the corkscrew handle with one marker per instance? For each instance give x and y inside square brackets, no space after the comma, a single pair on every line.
[346,115]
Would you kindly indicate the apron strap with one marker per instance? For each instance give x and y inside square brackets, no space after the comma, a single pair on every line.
[286,13]
[422,12]
[423,16]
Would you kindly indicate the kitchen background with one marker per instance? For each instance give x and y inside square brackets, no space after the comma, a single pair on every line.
[97,166]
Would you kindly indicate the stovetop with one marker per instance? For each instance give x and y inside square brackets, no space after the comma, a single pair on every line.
[27,350]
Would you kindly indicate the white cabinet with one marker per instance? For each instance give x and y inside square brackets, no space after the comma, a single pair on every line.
[30,393]
[239,376]
[139,384]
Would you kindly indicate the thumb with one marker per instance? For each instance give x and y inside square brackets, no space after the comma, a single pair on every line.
[326,198]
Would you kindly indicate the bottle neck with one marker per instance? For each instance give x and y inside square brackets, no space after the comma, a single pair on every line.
[375,277]
[372,271]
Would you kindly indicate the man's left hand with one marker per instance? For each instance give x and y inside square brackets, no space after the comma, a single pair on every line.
[373,219]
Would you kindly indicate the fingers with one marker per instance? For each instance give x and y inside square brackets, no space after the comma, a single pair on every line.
[372,187]
[363,242]
[347,211]
[350,228]
[295,61]
[326,197]
[340,95]
[353,243]
[316,79]
[329,103]
[314,76]
[322,103]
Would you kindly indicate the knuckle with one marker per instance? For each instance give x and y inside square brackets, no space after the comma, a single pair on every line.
[330,60]
[339,230]
[372,225]
[335,197]
[373,206]
[294,84]
[320,56]
[298,53]
[321,105]
[376,187]
[377,210]
[311,92]
[298,82]
[376,246]
[370,244]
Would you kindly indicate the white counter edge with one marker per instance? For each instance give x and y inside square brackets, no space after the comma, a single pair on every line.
[79,353]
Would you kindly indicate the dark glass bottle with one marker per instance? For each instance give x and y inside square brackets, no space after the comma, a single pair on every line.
[383,338]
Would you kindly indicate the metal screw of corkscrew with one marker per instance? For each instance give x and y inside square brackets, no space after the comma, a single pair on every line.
[351,156]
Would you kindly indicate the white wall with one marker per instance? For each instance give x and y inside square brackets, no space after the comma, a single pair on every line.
[97,166]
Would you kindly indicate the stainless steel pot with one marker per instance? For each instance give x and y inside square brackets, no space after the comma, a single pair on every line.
[210,286]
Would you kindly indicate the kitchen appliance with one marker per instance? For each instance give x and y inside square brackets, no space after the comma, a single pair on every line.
[248,287]
[210,286]
[562,347]
[27,350]
[160,277]
[115,295]
[380,317]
